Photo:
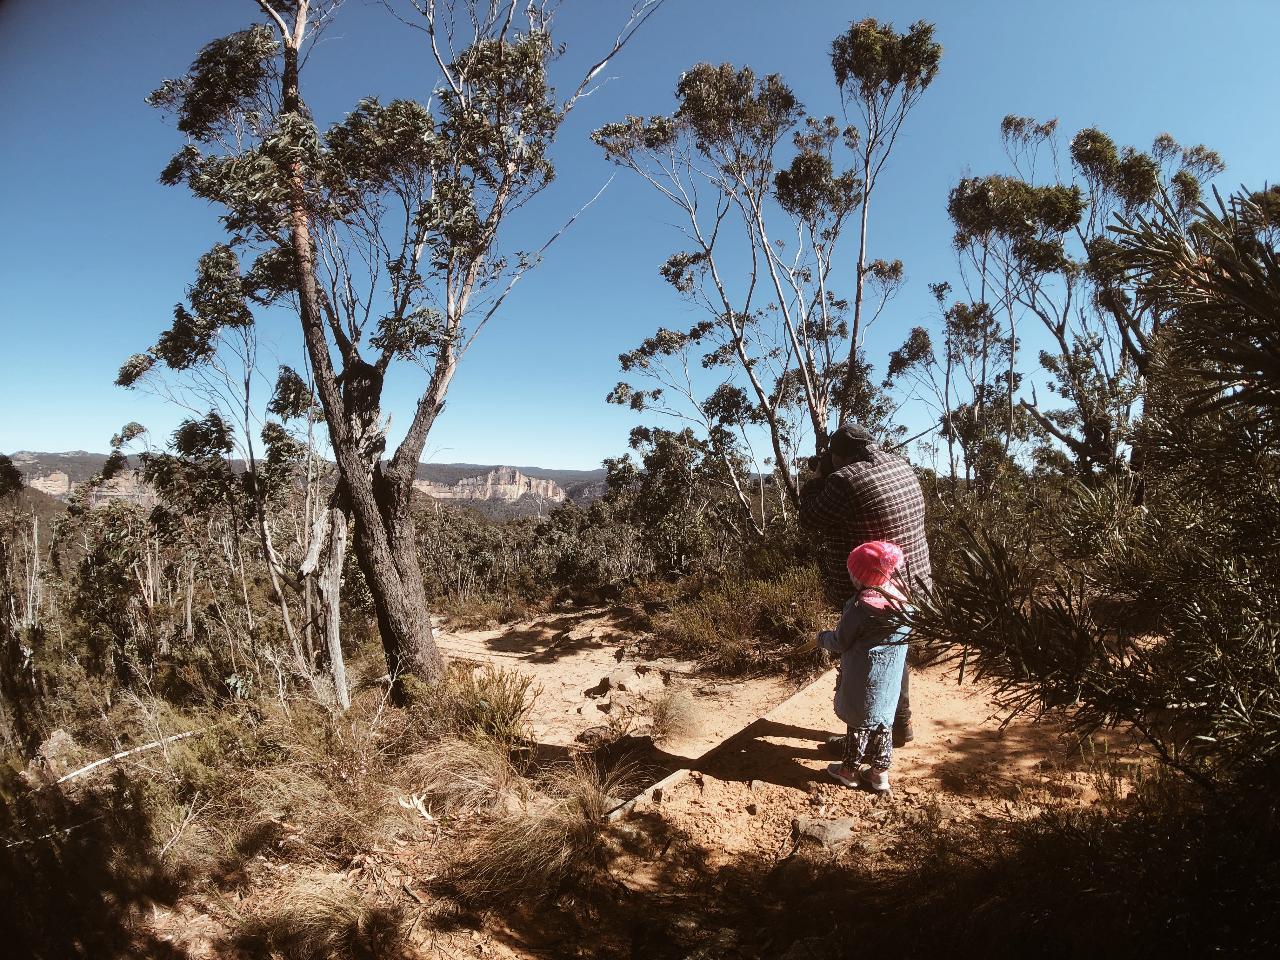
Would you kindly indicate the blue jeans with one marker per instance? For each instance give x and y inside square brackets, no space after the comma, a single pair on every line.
[867,696]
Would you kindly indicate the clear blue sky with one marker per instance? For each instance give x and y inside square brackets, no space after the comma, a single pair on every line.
[94,252]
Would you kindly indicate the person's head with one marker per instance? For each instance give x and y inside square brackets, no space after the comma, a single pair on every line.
[872,567]
[849,444]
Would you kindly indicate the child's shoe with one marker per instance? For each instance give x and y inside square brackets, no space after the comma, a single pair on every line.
[877,781]
[842,774]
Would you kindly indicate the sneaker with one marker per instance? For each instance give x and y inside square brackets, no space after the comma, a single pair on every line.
[834,746]
[877,781]
[903,734]
[842,774]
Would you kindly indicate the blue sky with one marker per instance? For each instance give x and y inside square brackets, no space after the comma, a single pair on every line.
[95,252]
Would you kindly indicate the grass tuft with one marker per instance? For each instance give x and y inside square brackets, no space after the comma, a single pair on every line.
[556,835]
[322,918]
[672,715]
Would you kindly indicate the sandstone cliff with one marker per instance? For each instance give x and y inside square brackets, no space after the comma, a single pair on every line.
[503,484]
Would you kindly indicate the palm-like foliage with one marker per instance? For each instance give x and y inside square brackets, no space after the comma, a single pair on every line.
[1221,275]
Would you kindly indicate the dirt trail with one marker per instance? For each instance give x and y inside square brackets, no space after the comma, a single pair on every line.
[742,798]
[704,856]
[578,661]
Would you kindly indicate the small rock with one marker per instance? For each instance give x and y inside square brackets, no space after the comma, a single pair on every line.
[594,737]
[600,689]
[631,680]
[752,809]
[834,835]
[797,874]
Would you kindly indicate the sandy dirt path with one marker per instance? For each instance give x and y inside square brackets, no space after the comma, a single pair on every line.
[578,662]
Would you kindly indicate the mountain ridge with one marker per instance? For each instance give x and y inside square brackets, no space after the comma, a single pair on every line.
[58,473]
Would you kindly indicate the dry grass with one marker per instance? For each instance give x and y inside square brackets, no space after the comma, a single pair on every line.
[531,852]
[672,715]
[479,703]
[458,776]
[745,625]
[475,613]
[320,917]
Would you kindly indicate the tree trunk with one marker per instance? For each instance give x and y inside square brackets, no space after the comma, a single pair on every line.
[330,584]
[383,540]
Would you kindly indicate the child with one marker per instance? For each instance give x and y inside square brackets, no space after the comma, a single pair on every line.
[872,649]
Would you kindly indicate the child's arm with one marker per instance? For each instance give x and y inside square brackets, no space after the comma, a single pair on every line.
[827,640]
[846,633]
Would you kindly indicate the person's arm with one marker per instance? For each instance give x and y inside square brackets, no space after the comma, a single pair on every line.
[850,628]
[826,502]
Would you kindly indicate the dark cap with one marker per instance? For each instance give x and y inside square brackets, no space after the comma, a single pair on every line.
[850,438]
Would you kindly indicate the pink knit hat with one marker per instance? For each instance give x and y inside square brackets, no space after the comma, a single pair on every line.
[873,564]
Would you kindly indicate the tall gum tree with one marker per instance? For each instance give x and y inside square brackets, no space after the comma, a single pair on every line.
[382,233]
[763,206]
[1034,243]
[882,74]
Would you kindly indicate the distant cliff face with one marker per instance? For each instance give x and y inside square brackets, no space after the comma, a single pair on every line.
[504,484]
[56,484]
[62,474]
[510,491]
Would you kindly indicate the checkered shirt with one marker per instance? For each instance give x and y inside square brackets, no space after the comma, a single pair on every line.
[874,499]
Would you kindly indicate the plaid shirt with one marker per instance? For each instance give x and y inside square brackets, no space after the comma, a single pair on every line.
[874,499]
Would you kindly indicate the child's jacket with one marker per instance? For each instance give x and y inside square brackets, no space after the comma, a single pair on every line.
[872,648]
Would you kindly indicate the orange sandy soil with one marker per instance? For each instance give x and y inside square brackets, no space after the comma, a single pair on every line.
[695,872]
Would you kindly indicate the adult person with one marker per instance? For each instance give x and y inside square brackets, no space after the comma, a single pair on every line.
[864,493]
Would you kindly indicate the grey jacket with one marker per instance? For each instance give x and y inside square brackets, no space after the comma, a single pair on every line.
[871,644]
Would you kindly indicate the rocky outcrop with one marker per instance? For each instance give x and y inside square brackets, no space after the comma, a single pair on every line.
[56,484]
[505,484]
[128,487]
[62,474]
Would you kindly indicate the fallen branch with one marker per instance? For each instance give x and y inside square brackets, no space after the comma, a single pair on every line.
[128,753]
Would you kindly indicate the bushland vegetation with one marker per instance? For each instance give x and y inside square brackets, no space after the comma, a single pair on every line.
[1108,552]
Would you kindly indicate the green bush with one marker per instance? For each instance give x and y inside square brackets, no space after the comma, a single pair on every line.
[744,625]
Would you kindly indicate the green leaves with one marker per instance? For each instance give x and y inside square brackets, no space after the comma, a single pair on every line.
[292,397]
[810,191]
[730,112]
[10,477]
[1221,276]
[1032,218]
[872,61]
[217,300]
[210,438]
[228,78]
[383,147]
[414,334]
[633,135]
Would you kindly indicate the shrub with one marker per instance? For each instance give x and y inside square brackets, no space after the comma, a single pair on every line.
[556,835]
[322,918]
[485,702]
[743,625]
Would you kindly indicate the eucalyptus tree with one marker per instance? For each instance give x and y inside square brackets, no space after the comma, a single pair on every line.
[769,324]
[1035,244]
[962,376]
[882,74]
[763,205]
[382,234]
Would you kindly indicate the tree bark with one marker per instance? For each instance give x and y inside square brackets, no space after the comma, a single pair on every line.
[331,593]
[384,542]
